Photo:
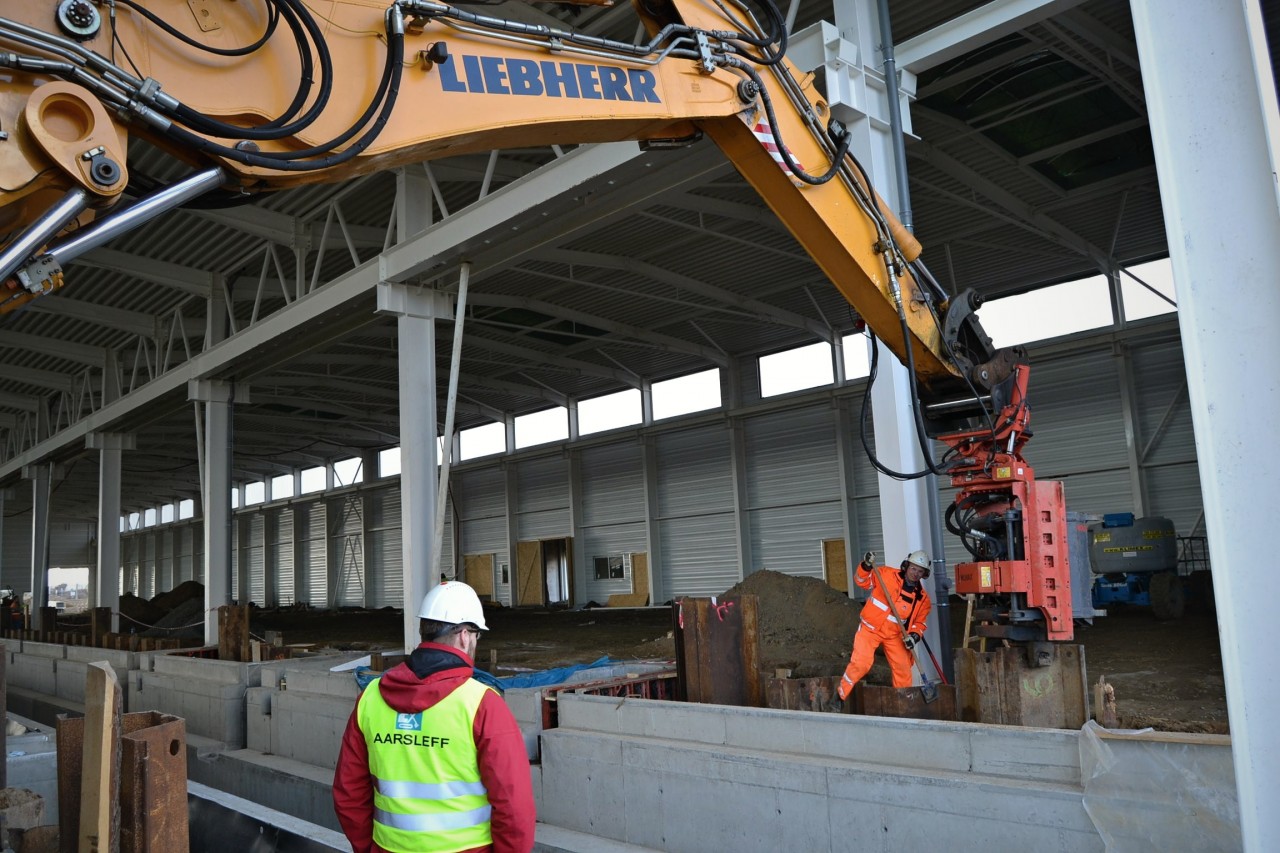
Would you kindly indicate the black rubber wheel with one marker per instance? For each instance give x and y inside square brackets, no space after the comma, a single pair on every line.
[1168,598]
[1200,592]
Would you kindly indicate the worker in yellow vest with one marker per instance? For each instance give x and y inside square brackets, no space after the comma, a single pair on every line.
[432,760]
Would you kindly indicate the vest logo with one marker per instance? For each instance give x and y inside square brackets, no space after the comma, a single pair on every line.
[409,722]
[494,75]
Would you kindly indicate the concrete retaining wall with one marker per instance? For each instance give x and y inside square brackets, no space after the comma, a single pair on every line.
[681,777]
[32,763]
[663,775]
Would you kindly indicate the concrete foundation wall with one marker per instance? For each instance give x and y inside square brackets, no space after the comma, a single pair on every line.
[32,763]
[680,777]
[292,787]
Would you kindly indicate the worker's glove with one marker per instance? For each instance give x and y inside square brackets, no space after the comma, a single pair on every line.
[869,560]
[910,640]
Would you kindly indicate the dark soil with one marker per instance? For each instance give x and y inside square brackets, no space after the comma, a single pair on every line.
[1166,675]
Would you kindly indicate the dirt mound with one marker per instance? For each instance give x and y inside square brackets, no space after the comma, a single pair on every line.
[138,613]
[184,620]
[180,594]
[805,625]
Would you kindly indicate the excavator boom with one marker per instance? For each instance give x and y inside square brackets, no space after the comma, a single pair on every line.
[261,95]
[418,79]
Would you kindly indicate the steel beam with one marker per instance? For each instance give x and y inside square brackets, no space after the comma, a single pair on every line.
[972,30]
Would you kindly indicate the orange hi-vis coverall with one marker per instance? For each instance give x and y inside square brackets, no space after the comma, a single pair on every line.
[880,626]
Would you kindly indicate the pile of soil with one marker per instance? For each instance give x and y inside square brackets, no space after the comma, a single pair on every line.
[166,613]
[805,625]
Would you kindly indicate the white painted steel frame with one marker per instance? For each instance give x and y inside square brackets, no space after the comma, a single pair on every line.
[1212,114]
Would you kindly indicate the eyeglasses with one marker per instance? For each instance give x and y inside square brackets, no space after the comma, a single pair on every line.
[470,630]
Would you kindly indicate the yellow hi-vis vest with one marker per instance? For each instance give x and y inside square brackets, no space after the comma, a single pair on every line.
[427,792]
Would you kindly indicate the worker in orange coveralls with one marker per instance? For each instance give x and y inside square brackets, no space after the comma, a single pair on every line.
[432,760]
[903,602]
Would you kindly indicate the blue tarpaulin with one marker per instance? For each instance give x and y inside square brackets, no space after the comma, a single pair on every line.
[365,675]
[548,677]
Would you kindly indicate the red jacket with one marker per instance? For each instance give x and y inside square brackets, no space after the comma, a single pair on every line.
[912,605]
[433,672]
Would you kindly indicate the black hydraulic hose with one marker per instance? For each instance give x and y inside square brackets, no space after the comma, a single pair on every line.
[837,159]
[287,161]
[777,35]
[921,435]
[305,32]
[273,16]
[862,421]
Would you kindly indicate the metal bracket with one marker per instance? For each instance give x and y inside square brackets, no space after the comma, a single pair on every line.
[206,19]
[41,275]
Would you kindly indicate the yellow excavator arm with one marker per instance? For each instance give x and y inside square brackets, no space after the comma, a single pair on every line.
[265,94]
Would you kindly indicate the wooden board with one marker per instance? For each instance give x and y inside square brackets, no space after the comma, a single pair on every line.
[833,563]
[233,633]
[530,582]
[477,571]
[804,694]
[639,596]
[100,771]
[907,702]
[718,650]
[1000,687]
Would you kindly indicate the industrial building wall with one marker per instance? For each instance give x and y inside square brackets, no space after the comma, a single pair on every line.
[759,489]
[384,554]
[696,514]
[480,498]
[612,513]
[792,489]
[542,498]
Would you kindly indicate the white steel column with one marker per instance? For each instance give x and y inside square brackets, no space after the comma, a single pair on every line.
[847,446]
[218,398]
[741,497]
[416,312]
[4,494]
[110,447]
[851,60]
[652,522]
[579,593]
[40,475]
[1212,106]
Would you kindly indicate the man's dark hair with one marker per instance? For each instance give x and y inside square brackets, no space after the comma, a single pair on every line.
[430,630]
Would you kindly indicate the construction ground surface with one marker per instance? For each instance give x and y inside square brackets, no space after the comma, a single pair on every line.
[1166,675]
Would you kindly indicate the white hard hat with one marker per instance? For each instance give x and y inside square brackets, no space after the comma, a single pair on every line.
[920,558]
[453,602]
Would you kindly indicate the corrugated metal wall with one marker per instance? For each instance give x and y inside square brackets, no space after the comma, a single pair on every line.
[696,523]
[190,559]
[310,521]
[164,561]
[1079,431]
[1165,436]
[793,489]
[346,551]
[384,554]
[613,513]
[542,498]
[254,550]
[482,513]
[280,556]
